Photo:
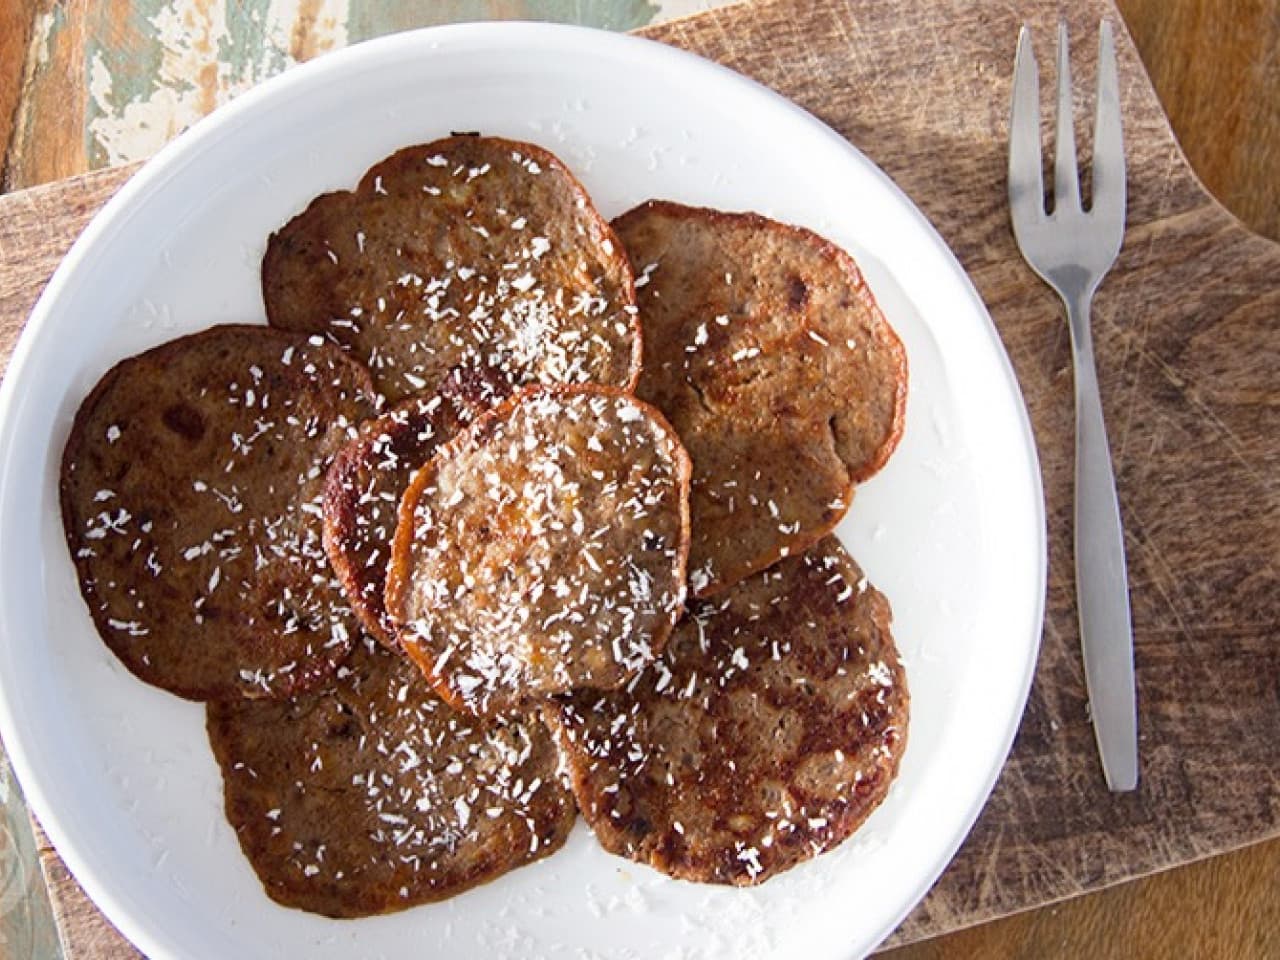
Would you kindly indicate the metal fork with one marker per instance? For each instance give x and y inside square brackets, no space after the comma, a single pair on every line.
[1072,249]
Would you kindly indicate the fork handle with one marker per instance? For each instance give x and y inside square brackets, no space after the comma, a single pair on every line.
[1102,585]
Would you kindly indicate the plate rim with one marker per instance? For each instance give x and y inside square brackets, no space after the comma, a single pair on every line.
[168,162]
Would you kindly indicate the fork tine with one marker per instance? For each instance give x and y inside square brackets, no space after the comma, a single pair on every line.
[1066,176]
[1108,141]
[1026,181]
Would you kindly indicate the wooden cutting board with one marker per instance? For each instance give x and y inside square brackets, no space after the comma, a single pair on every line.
[1187,333]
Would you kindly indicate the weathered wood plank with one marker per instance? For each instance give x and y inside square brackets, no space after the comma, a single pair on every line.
[111,82]
[47,140]
[17,20]
[26,924]
[86,933]
[37,227]
[1187,344]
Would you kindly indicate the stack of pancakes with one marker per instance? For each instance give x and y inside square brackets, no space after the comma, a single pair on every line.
[484,528]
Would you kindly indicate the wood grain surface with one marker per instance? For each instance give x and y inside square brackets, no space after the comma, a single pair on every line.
[1215,65]
[17,18]
[1224,907]
[1187,342]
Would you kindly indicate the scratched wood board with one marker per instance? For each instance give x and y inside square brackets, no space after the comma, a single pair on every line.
[1187,344]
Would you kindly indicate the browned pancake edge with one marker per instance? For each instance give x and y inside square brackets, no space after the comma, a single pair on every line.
[368,478]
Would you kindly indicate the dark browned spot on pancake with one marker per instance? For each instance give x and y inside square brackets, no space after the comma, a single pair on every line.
[344,730]
[797,293]
[185,420]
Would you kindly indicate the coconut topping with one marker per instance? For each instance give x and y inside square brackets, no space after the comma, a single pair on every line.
[196,527]
[370,474]
[467,252]
[544,549]
[764,734]
[375,795]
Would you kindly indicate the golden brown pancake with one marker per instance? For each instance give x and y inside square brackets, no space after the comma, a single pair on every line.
[766,351]
[191,489]
[765,734]
[543,549]
[369,476]
[373,795]
[466,251]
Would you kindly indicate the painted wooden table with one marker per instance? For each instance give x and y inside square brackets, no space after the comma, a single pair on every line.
[1187,340]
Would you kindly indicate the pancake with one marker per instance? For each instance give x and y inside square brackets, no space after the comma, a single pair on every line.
[191,487]
[543,549]
[469,250]
[369,476]
[766,351]
[764,735]
[373,795]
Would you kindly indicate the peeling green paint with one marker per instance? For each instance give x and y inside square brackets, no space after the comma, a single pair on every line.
[153,67]
[375,18]
[26,917]
[56,24]
[246,48]
[130,58]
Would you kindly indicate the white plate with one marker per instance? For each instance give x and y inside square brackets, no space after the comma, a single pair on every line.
[121,775]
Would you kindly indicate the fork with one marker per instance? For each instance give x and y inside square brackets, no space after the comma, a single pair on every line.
[1072,249]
